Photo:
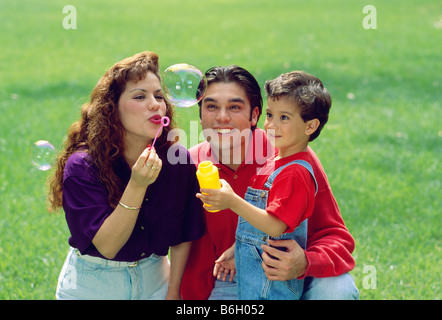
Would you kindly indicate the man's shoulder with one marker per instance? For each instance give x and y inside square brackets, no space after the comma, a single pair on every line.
[314,160]
[199,152]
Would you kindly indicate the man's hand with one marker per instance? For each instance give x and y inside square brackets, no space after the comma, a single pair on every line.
[287,265]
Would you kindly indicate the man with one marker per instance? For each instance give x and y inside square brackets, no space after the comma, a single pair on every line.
[229,113]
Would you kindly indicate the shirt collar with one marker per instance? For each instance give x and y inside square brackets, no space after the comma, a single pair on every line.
[258,151]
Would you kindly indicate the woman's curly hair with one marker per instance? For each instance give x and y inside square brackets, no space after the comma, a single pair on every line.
[99,131]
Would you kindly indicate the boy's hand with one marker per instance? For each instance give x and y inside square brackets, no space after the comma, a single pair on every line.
[218,199]
[225,265]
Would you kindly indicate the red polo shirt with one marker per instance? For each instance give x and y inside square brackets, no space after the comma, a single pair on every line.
[329,244]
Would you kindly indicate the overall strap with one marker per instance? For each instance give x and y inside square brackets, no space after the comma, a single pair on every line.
[303,163]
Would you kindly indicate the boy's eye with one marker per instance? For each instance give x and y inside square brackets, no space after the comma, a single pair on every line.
[284,118]
[269,115]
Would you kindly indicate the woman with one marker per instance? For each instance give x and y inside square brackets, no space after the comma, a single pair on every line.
[125,204]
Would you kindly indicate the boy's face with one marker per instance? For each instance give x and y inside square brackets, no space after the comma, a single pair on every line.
[225,113]
[285,127]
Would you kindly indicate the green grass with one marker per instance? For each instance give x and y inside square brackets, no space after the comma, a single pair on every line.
[381,148]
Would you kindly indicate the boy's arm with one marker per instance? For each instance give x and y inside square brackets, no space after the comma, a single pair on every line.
[226,198]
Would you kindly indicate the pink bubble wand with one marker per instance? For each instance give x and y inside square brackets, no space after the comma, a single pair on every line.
[165,121]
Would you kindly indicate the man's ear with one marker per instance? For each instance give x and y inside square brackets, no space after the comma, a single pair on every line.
[312,125]
[254,117]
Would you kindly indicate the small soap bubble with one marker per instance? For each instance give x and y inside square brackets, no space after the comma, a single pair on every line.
[43,155]
[184,85]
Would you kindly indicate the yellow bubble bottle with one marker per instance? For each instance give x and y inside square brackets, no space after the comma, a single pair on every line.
[208,177]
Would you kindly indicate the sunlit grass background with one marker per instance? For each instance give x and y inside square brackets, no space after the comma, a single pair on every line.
[381,148]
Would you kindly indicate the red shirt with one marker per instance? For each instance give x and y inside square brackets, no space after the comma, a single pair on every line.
[292,195]
[329,244]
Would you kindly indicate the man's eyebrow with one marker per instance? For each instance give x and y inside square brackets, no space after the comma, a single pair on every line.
[209,99]
[230,100]
[237,100]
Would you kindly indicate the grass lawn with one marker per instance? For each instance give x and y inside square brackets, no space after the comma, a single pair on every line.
[381,148]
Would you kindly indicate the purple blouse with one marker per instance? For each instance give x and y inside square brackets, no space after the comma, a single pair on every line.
[170,213]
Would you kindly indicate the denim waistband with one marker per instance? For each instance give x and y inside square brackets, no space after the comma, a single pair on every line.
[111,263]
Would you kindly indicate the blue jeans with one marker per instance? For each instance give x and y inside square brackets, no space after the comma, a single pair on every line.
[92,278]
[252,281]
[332,288]
[225,290]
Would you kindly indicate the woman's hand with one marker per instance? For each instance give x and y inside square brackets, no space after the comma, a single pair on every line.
[147,168]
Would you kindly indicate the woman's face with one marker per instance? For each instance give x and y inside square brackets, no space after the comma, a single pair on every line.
[141,106]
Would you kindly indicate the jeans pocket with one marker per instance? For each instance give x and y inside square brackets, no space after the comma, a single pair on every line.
[296,286]
[256,253]
[250,198]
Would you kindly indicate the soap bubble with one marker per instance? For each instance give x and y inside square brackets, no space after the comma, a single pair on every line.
[43,154]
[183,85]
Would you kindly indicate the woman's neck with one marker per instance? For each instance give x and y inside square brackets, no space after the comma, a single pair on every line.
[133,151]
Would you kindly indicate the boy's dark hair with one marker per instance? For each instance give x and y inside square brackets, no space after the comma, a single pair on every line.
[240,76]
[305,91]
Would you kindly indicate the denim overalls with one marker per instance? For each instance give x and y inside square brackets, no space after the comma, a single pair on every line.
[252,281]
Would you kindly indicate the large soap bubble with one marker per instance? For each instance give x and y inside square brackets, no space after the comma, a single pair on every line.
[43,155]
[183,85]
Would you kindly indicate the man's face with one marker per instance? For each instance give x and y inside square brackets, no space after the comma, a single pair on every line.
[225,116]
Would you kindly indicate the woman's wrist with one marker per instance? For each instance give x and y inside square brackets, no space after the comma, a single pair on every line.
[128,207]
[133,196]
